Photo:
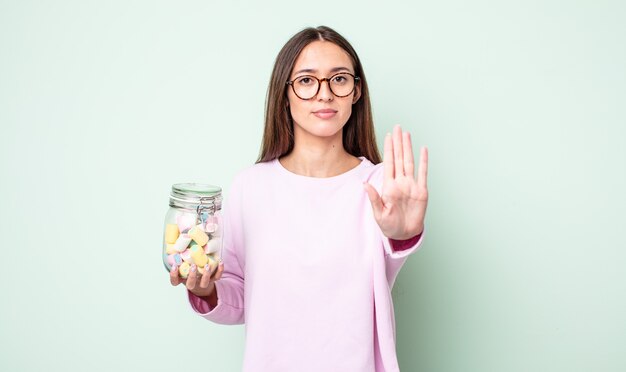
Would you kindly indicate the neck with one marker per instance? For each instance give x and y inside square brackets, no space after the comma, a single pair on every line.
[319,157]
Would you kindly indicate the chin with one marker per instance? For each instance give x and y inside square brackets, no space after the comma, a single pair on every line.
[323,128]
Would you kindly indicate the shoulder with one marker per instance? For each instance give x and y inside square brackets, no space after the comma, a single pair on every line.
[247,180]
[372,173]
[253,174]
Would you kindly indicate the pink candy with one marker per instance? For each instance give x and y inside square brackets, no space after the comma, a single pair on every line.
[182,242]
[186,255]
[171,260]
[210,227]
[185,221]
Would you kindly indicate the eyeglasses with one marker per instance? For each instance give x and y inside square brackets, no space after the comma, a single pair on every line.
[307,86]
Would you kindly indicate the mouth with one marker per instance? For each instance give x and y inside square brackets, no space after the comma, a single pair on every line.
[325,113]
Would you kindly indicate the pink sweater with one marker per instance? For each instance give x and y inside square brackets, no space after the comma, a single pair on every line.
[309,272]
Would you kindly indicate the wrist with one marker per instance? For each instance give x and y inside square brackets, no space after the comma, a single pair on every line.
[404,244]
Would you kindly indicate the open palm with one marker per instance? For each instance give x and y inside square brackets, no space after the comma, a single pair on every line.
[401,209]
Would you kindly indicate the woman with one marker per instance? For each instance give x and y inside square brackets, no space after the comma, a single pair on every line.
[311,248]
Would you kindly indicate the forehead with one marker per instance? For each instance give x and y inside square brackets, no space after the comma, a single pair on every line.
[322,56]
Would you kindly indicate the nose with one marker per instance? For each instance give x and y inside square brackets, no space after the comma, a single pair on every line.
[324,94]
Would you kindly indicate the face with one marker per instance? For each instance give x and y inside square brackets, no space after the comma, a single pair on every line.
[325,114]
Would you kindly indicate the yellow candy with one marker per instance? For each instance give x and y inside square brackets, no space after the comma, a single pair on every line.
[171,233]
[212,263]
[198,256]
[183,270]
[169,249]
[198,235]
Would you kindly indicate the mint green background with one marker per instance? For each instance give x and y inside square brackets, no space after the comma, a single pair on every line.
[103,105]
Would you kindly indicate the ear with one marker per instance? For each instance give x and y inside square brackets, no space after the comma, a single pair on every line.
[357,93]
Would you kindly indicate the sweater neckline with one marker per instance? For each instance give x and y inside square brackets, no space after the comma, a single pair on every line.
[332,179]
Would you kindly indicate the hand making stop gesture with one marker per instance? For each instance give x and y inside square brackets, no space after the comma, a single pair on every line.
[401,209]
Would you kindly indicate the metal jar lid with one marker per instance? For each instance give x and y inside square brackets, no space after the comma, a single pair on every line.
[196,197]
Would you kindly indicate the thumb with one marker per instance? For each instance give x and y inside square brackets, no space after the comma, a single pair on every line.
[377,203]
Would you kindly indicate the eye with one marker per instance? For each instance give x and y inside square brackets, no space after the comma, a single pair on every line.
[305,80]
[340,79]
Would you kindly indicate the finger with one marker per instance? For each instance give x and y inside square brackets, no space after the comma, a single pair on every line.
[408,155]
[375,199]
[422,171]
[192,278]
[388,159]
[206,277]
[397,151]
[220,270]
[174,278]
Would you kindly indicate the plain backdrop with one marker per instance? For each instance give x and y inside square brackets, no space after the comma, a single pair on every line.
[105,104]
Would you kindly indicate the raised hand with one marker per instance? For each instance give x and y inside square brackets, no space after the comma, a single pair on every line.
[401,209]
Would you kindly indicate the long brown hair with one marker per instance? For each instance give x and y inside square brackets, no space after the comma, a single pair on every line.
[359,138]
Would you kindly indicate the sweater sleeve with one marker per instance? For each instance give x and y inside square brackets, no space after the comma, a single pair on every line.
[230,288]
[402,248]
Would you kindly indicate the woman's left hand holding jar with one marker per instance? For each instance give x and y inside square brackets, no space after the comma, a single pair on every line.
[201,286]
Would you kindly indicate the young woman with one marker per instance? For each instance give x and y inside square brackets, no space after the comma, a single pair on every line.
[317,230]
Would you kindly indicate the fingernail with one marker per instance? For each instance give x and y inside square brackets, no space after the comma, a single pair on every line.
[193,267]
[174,267]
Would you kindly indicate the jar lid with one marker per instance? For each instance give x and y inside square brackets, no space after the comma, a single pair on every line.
[193,189]
[196,195]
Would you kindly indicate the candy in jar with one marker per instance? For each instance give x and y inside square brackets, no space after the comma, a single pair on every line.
[192,233]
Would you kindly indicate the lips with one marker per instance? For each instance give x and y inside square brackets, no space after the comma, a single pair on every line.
[325,113]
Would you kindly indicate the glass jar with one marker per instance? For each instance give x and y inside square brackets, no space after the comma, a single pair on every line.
[192,233]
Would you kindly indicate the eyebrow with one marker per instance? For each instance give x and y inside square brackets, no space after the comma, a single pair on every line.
[310,70]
